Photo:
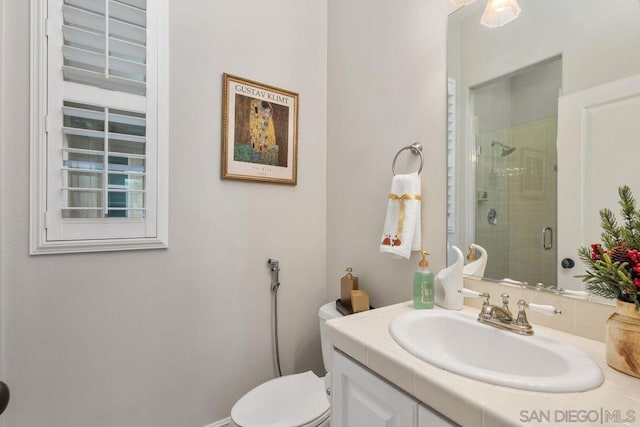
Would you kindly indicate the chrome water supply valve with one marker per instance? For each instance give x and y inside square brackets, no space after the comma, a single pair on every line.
[274,265]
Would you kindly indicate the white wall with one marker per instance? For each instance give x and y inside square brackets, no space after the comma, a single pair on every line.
[174,337]
[535,93]
[386,90]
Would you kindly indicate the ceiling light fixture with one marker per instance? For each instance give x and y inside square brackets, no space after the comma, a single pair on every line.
[459,3]
[500,12]
[497,13]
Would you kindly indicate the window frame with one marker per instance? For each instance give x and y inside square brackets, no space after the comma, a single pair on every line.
[39,217]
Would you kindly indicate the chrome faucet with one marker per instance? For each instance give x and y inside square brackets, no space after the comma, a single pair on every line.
[502,318]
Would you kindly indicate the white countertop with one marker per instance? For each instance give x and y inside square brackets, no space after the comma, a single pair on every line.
[365,338]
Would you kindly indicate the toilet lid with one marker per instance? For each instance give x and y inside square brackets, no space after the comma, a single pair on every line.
[289,401]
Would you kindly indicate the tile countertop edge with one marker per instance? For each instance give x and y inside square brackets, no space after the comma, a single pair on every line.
[365,338]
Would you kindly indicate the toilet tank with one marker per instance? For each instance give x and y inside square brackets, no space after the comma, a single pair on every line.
[326,312]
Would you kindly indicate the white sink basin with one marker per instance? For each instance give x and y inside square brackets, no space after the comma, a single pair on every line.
[456,342]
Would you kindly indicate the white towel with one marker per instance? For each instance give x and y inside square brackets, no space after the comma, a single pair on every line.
[402,231]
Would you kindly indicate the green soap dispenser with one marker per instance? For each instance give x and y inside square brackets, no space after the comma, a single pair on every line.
[423,285]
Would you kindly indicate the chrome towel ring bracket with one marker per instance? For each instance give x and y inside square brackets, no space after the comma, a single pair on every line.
[416,148]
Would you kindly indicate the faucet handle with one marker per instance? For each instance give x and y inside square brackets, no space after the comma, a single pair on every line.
[505,302]
[473,294]
[521,320]
[549,310]
[505,298]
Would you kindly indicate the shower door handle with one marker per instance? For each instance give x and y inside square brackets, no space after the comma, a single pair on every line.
[547,238]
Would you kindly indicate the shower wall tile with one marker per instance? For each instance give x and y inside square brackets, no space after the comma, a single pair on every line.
[522,212]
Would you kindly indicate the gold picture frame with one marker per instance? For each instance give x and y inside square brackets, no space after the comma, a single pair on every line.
[259,132]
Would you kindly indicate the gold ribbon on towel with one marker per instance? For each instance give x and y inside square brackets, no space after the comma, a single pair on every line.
[402,208]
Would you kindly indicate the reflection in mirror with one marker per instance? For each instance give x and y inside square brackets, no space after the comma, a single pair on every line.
[519,176]
[477,264]
[515,120]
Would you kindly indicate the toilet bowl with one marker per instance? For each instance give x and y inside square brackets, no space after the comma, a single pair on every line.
[299,400]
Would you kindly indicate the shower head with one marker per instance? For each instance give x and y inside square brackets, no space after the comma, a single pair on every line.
[506,150]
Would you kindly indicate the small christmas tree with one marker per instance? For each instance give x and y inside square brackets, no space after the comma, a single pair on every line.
[613,267]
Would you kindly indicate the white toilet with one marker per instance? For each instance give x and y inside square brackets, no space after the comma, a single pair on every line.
[298,400]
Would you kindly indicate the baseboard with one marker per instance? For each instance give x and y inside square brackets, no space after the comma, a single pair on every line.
[222,423]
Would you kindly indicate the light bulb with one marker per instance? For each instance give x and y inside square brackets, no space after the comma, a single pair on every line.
[500,12]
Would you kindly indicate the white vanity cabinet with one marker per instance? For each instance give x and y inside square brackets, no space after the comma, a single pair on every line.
[362,399]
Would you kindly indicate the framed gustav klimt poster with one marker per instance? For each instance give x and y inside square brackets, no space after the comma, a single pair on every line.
[259,132]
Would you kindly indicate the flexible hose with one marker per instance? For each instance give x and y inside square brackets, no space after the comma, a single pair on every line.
[275,330]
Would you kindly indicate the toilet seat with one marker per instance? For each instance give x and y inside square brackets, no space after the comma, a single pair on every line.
[298,400]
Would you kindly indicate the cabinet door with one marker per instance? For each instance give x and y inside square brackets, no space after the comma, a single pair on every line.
[430,418]
[361,399]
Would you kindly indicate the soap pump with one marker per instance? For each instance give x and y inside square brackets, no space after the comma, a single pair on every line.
[423,284]
[447,283]
[347,284]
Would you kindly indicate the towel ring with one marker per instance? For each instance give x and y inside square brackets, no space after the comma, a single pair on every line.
[416,148]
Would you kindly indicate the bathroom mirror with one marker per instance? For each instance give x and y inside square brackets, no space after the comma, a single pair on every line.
[542,129]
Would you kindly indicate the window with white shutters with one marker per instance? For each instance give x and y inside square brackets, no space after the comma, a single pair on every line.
[451,155]
[99,136]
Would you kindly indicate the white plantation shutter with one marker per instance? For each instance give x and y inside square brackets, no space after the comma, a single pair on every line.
[103,167]
[104,44]
[105,145]
[451,155]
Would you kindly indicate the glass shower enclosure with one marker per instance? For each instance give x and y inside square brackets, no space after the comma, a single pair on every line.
[514,131]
